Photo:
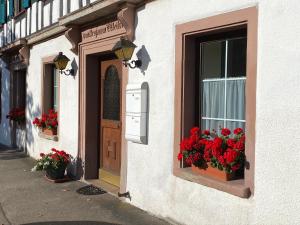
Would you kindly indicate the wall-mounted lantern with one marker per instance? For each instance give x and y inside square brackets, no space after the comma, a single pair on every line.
[61,62]
[124,49]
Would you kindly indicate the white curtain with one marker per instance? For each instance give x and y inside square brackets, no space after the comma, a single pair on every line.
[213,103]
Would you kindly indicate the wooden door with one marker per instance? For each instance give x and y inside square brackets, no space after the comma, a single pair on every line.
[111,99]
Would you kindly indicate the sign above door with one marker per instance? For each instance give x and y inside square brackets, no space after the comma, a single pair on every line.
[103,31]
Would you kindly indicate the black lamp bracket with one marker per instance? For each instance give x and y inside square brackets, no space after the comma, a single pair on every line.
[133,64]
[69,72]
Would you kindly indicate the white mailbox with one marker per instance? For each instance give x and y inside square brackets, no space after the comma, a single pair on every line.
[136,112]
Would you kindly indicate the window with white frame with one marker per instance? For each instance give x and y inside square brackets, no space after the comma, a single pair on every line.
[222,79]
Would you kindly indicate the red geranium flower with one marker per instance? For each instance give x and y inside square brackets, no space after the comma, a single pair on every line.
[225,132]
[206,132]
[230,155]
[238,131]
[194,131]
[231,143]
[239,146]
[185,145]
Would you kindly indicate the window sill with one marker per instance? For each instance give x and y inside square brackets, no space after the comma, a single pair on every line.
[48,137]
[234,187]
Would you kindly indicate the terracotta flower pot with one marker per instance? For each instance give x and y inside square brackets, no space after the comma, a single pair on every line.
[49,132]
[214,172]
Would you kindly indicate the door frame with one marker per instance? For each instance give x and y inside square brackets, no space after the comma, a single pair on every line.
[88,135]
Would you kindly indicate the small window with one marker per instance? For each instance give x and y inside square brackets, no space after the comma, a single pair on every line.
[50,88]
[19,89]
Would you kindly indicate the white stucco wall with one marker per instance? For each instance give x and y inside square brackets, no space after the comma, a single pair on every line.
[5,135]
[149,177]
[68,99]
[150,180]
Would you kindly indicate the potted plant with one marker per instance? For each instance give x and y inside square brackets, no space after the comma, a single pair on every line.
[47,123]
[54,163]
[16,115]
[208,153]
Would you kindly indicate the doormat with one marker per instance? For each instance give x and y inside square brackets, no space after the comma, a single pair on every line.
[90,190]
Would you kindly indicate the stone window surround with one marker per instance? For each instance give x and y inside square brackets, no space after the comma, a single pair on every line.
[183,60]
[46,62]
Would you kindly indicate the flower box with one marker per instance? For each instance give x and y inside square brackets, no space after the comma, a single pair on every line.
[50,132]
[214,172]
[221,156]
[47,123]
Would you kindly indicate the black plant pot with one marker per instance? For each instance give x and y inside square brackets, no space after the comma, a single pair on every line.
[55,174]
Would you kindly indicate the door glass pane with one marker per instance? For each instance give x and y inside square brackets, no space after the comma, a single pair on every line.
[212,55]
[235,99]
[236,58]
[111,95]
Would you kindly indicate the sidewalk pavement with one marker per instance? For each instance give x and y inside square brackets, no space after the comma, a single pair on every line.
[27,198]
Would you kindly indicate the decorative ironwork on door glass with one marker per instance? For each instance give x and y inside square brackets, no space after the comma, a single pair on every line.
[111,95]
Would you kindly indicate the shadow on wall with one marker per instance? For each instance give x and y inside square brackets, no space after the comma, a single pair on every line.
[5,135]
[72,223]
[74,66]
[144,56]
[31,112]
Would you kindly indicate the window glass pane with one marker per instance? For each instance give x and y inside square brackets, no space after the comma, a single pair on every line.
[232,125]
[236,57]
[212,54]
[20,89]
[213,99]
[235,99]
[111,95]
[55,89]
[212,125]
